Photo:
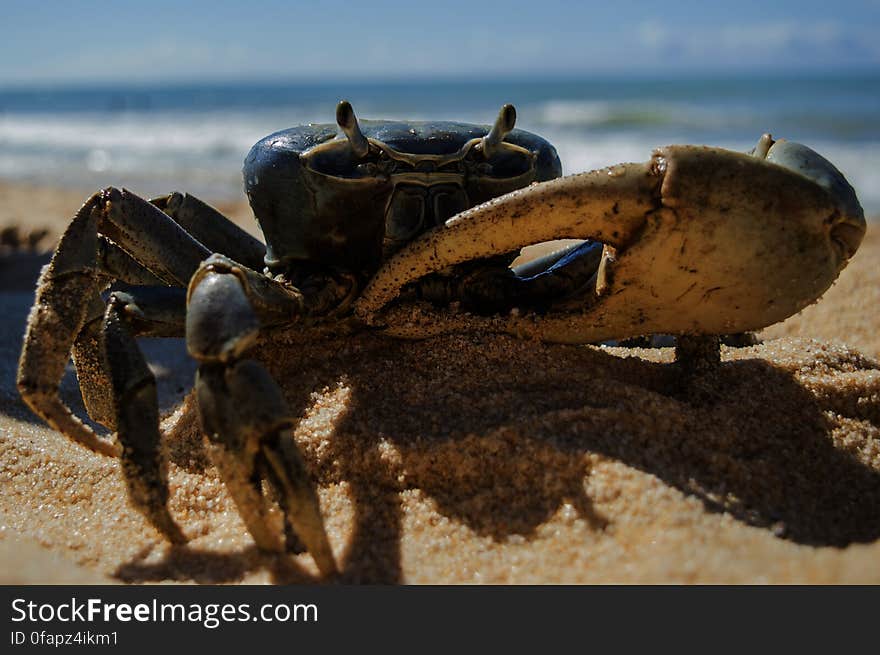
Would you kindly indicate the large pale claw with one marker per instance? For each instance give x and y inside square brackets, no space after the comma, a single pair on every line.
[701,241]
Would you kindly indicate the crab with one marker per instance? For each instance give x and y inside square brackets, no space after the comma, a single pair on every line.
[410,229]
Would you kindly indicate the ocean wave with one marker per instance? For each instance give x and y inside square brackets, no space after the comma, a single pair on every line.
[859,162]
[648,116]
[619,115]
[202,152]
[140,133]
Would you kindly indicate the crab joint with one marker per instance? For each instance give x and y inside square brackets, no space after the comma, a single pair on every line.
[220,322]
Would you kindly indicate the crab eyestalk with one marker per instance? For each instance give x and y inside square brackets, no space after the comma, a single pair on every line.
[348,123]
[763,146]
[502,127]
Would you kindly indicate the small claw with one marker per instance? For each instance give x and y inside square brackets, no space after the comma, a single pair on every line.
[300,500]
[246,418]
[237,472]
[232,448]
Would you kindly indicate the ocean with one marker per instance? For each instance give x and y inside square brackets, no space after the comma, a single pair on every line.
[154,139]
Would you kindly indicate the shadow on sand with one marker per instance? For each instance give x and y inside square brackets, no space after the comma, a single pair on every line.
[501,449]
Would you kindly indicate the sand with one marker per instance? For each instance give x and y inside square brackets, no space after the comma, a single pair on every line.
[485,459]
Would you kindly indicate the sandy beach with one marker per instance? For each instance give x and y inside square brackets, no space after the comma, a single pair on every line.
[484,459]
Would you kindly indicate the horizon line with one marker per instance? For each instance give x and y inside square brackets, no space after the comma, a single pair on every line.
[530,77]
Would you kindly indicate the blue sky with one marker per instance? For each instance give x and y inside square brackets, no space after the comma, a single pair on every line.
[156,41]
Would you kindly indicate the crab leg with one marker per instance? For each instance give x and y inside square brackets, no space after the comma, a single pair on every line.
[701,241]
[149,311]
[202,222]
[88,355]
[212,228]
[151,236]
[117,264]
[133,396]
[55,320]
[243,412]
[69,285]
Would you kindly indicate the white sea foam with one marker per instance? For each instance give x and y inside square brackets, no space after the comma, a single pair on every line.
[196,133]
[633,114]
[860,163]
[202,152]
